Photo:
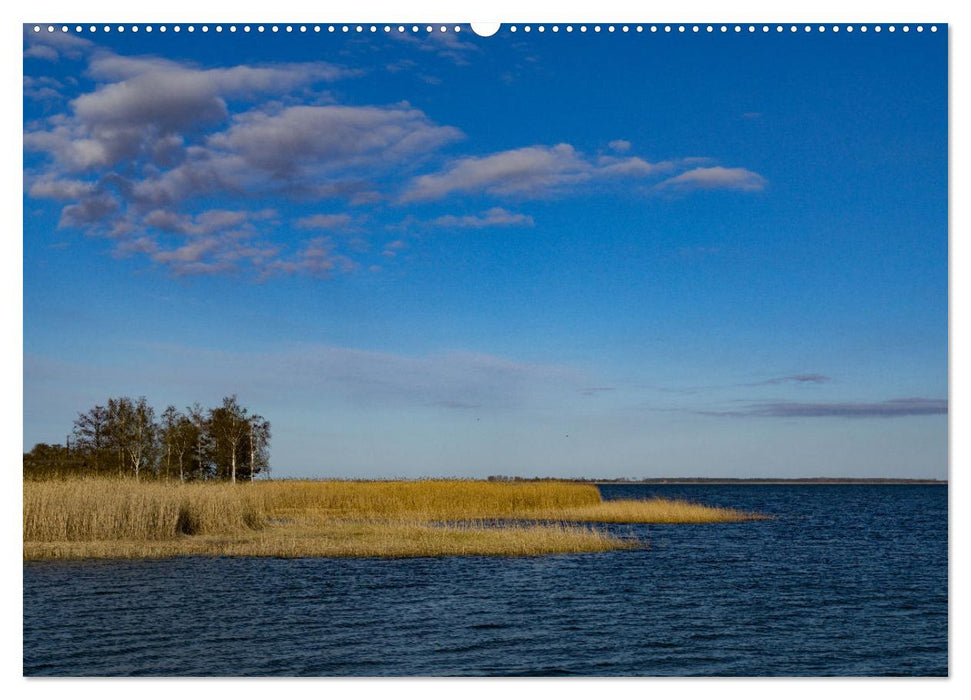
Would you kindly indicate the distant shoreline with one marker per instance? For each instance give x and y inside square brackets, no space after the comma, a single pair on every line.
[822,481]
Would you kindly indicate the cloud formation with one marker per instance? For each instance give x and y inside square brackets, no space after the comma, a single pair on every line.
[893,408]
[327,139]
[497,216]
[715,178]
[795,379]
[534,171]
[325,221]
[175,162]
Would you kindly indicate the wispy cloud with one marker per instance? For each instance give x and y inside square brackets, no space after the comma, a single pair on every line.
[893,408]
[311,374]
[52,46]
[448,45]
[714,178]
[497,216]
[534,171]
[324,221]
[794,379]
[596,390]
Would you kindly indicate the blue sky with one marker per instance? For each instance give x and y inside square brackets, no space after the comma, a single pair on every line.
[544,254]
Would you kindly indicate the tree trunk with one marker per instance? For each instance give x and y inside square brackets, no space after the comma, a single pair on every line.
[181,476]
[232,476]
[252,455]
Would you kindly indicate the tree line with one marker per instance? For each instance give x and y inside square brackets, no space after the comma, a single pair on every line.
[123,437]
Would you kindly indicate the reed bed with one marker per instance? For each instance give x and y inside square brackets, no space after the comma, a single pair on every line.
[338,539]
[652,510]
[99,517]
[420,501]
[115,509]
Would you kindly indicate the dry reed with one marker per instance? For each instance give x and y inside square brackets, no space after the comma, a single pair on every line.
[123,518]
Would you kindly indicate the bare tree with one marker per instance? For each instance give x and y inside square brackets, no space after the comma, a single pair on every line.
[91,433]
[259,442]
[134,429]
[179,434]
[198,416]
[229,424]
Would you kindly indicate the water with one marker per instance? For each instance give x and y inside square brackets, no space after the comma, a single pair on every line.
[848,580]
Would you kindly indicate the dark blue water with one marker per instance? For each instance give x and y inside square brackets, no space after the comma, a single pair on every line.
[848,580]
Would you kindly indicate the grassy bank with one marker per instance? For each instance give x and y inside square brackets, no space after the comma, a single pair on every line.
[119,518]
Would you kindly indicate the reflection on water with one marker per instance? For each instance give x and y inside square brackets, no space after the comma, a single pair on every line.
[848,580]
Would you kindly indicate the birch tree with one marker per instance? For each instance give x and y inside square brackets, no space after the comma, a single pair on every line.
[134,429]
[179,434]
[199,418]
[229,424]
[259,443]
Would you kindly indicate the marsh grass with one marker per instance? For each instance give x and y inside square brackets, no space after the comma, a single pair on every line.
[653,510]
[420,501]
[120,518]
[122,509]
[342,539]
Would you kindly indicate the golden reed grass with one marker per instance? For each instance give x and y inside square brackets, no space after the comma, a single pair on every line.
[80,518]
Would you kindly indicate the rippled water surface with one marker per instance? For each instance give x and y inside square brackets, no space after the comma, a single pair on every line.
[847,580]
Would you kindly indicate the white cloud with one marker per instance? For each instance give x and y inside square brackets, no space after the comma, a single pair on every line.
[325,221]
[715,178]
[131,157]
[51,46]
[316,259]
[50,187]
[534,171]
[497,216]
[147,98]
[529,171]
[330,138]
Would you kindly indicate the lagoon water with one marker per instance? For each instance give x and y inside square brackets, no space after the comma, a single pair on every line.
[847,580]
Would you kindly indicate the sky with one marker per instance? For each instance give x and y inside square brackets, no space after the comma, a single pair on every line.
[544,254]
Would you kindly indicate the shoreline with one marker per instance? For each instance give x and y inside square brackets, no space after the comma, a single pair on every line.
[127,519]
[836,481]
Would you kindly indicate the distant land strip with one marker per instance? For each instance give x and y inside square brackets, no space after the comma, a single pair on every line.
[674,481]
